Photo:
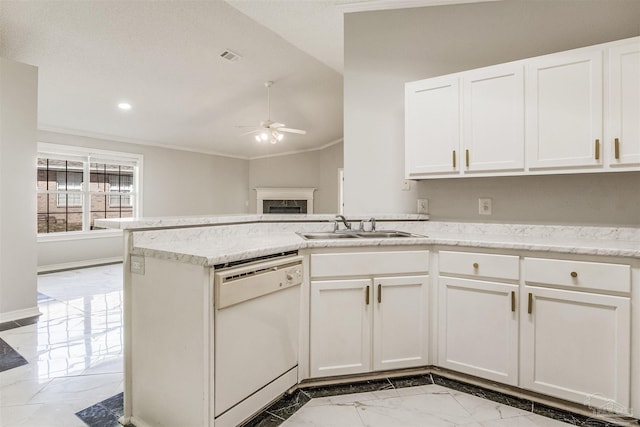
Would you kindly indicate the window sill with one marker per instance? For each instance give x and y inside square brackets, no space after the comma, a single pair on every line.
[78,235]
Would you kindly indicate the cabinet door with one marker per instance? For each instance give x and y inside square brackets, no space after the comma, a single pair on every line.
[564,111]
[575,346]
[493,105]
[478,328]
[400,322]
[432,127]
[624,113]
[340,327]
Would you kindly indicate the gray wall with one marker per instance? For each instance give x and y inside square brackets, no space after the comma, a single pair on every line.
[18,121]
[318,169]
[175,183]
[385,49]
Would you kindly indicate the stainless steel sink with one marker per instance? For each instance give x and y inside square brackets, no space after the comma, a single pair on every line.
[328,235]
[381,234]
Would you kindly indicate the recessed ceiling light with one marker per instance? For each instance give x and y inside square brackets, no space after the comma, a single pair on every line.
[124,106]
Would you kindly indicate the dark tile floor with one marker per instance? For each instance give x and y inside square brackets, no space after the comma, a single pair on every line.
[106,413]
[9,358]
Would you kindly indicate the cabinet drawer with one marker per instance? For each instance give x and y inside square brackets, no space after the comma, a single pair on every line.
[480,265]
[578,274]
[369,263]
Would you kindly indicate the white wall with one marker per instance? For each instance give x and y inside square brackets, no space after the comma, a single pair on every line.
[385,49]
[175,183]
[18,121]
[316,169]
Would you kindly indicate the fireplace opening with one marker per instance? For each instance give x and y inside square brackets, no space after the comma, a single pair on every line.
[284,206]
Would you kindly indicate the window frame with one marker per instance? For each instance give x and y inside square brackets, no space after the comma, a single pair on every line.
[87,156]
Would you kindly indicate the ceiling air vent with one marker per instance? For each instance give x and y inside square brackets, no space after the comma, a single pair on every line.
[230,56]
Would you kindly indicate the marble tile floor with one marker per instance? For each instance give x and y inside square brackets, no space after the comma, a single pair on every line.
[73,350]
[73,375]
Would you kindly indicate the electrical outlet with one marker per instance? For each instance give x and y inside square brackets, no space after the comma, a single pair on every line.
[406,185]
[423,206]
[484,206]
[137,264]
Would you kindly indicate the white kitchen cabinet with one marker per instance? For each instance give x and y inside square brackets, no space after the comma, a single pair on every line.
[478,328]
[432,127]
[400,322]
[478,316]
[623,137]
[361,325]
[340,327]
[368,311]
[575,345]
[493,118]
[564,114]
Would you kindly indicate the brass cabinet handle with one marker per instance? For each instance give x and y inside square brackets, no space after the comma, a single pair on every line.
[513,301]
[454,159]
[379,293]
[366,298]
[476,265]
[574,274]
[530,303]
[467,157]
[597,149]
[616,148]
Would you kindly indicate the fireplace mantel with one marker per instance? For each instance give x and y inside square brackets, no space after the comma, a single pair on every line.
[285,194]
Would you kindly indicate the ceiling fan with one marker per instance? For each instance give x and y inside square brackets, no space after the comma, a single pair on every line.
[269,130]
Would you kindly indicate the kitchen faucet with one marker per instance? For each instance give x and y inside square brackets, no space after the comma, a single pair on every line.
[343,220]
[372,220]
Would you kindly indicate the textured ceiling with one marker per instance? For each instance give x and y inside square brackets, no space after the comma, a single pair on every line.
[163,58]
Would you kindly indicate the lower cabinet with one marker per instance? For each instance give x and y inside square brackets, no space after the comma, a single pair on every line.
[478,328]
[360,325]
[576,346]
[575,336]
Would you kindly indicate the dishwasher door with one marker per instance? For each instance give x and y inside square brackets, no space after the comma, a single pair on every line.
[256,328]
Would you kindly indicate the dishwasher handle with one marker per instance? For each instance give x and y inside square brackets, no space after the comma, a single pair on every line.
[236,285]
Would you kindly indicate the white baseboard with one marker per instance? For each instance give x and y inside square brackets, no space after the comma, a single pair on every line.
[78,264]
[19,314]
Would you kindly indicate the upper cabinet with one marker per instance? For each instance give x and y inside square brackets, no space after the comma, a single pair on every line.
[493,130]
[569,112]
[623,137]
[564,118]
[432,126]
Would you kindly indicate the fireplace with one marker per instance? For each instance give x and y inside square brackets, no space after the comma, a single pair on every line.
[285,200]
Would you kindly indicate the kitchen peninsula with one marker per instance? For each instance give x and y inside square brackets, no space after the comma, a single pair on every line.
[551,303]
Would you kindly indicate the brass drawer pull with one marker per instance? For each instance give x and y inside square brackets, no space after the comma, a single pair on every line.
[366,298]
[454,159]
[597,149]
[476,265]
[616,148]
[467,157]
[513,301]
[530,303]
[574,274]
[379,293]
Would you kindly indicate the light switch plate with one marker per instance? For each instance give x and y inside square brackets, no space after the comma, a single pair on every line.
[137,264]
[484,206]
[423,206]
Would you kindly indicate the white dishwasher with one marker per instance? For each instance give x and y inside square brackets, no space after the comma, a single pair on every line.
[256,325]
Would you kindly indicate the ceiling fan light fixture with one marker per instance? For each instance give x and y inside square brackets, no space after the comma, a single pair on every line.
[258,138]
[264,136]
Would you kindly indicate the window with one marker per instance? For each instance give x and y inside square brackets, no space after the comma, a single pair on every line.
[76,186]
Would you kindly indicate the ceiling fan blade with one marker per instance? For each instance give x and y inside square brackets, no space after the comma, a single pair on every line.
[276,125]
[251,131]
[299,131]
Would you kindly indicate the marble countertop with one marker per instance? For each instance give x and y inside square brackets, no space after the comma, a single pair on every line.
[203,220]
[233,245]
